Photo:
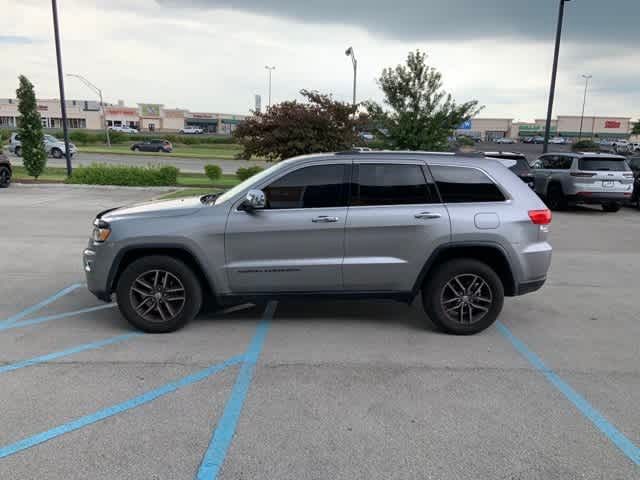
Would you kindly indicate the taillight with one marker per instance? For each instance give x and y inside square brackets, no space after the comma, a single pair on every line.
[582,174]
[540,217]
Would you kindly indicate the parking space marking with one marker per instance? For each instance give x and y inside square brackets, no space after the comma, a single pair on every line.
[69,351]
[44,303]
[147,397]
[34,321]
[223,435]
[588,410]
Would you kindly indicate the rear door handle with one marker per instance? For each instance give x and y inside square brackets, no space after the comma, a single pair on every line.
[427,215]
[324,219]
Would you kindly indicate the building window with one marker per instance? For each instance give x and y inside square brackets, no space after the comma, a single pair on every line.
[7,122]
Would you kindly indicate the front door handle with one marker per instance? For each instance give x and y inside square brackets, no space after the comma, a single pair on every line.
[324,219]
[427,215]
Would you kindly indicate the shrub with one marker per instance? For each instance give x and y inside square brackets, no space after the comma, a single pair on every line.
[247,172]
[79,136]
[101,174]
[464,141]
[34,156]
[5,134]
[214,172]
[585,146]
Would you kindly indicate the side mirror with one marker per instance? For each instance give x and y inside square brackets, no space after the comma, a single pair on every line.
[255,200]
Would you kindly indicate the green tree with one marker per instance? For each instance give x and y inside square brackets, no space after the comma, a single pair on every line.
[636,128]
[34,155]
[292,128]
[419,114]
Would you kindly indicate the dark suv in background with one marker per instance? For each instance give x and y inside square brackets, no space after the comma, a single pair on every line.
[516,162]
[5,171]
[155,145]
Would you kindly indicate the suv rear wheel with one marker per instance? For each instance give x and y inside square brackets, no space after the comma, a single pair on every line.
[463,297]
[555,198]
[5,176]
[158,294]
[611,207]
[56,152]
[18,151]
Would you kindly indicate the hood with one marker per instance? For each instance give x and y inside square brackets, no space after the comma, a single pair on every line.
[163,208]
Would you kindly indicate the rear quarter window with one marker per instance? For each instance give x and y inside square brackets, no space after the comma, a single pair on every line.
[465,185]
[603,164]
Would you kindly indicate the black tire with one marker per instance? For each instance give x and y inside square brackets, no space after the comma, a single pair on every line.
[611,207]
[18,151]
[435,293]
[5,176]
[127,294]
[135,149]
[555,198]
[56,153]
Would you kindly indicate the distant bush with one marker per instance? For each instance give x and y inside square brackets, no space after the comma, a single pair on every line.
[248,172]
[100,174]
[585,146]
[464,141]
[214,172]
[5,134]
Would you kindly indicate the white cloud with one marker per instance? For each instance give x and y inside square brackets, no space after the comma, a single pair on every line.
[213,60]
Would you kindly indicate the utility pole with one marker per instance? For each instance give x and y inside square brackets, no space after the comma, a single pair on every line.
[98,92]
[554,71]
[349,53]
[584,101]
[63,105]
[270,69]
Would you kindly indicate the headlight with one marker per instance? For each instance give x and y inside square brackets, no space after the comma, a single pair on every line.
[101,231]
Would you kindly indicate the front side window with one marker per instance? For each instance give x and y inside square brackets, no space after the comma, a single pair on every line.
[318,186]
[390,184]
[465,185]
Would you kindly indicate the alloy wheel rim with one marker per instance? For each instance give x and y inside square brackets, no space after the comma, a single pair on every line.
[466,298]
[157,296]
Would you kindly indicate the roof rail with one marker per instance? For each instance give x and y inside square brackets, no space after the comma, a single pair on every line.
[391,152]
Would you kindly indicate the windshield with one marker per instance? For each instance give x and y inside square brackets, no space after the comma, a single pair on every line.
[250,181]
[51,138]
[603,164]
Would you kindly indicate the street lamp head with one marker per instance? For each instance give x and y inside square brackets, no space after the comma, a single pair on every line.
[349,51]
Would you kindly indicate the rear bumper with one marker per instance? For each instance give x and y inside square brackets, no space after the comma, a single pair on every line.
[599,197]
[531,286]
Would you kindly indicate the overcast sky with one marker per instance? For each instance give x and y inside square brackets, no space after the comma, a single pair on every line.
[209,55]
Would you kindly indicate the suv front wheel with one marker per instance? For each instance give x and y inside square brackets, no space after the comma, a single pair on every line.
[463,297]
[158,294]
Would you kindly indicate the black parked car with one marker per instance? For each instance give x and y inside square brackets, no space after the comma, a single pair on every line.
[634,164]
[516,162]
[5,171]
[155,145]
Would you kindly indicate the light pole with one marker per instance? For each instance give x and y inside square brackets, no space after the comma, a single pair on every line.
[554,71]
[270,69]
[584,101]
[349,53]
[97,91]
[63,105]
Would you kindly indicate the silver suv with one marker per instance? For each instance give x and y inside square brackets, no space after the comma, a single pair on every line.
[463,232]
[52,145]
[589,178]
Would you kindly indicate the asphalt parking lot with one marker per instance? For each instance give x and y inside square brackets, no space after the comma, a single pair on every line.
[334,390]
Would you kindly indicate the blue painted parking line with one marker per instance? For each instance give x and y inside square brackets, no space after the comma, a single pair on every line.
[69,351]
[223,435]
[35,321]
[597,419]
[147,397]
[44,303]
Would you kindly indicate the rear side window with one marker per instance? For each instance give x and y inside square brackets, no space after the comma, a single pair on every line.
[318,186]
[603,164]
[390,184]
[556,162]
[465,185]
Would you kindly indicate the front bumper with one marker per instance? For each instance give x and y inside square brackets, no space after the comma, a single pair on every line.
[96,263]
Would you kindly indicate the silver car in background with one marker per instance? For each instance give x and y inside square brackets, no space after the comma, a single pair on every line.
[562,179]
[462,233]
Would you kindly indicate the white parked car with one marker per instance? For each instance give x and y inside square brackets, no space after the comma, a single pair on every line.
[123,129]
[190,130]
[621,146]
[504,140]
[558,140]
[52,145]
[635,146]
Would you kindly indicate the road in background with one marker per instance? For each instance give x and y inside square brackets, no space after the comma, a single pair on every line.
[186,165]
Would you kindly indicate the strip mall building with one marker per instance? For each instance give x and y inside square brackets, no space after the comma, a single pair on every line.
[145,116]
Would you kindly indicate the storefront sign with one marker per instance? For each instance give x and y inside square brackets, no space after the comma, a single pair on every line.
[612,124]
[150,109]
[201,115]
[121,111]
[43,108]
[465,125]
